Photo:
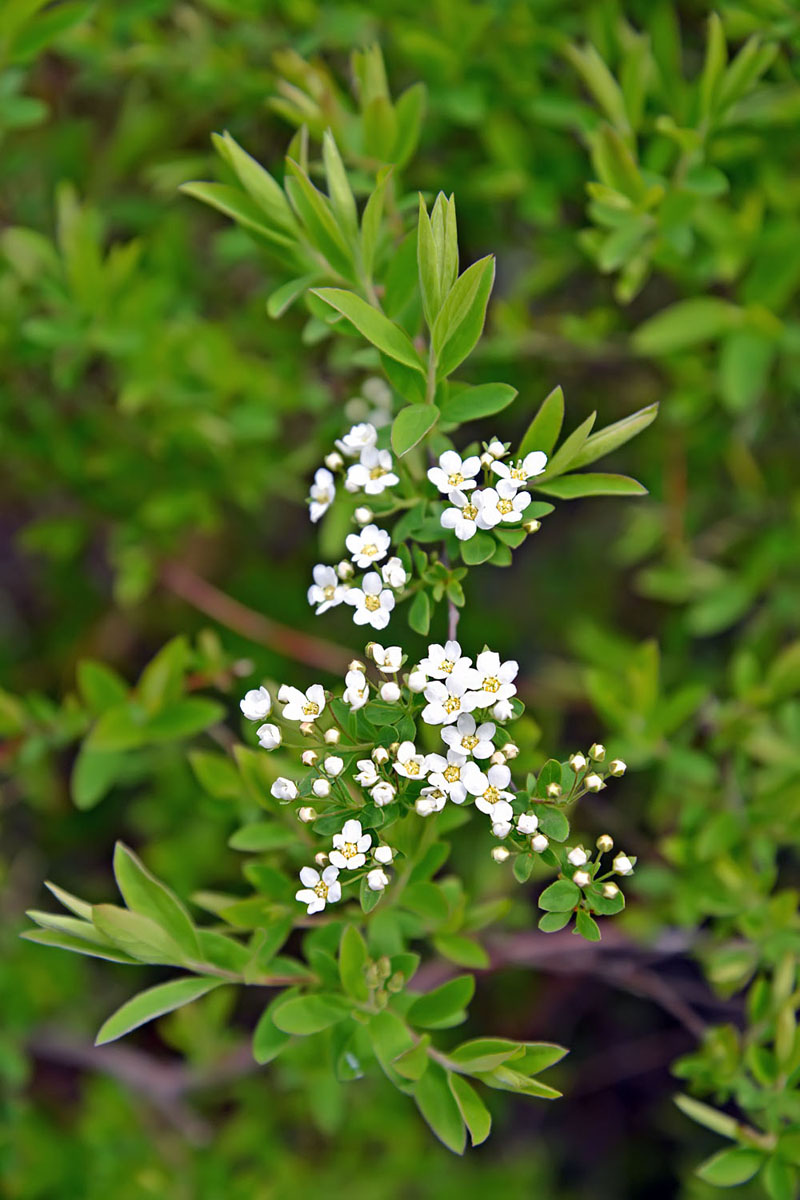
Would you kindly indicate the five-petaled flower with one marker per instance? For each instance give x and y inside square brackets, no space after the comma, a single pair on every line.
[445,773]
[488,788]
[442,661]
[454,473]
[321,494]
[359,438]
[368,546]
[319,890]
[448,699]
[326,591]
[468,738]
[503,503]
[409,763]
[256,704]
[523,469]
[372,474]
[350,847]
[388,659]
[394,573]
[494,678]
[465,517]
[372,601]
[302,706]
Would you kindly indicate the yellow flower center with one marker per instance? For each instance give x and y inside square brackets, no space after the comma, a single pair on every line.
[310,709]
[469,511]
[412,767]
[329,592]
[492,684]
[452,704]
[469,742]
[349,849]
[455,479]
[372,603]
[377,472]
[452,773]
[518,473]
[491,795]
[446,665]
[322,890]
[370,549]
[505,507]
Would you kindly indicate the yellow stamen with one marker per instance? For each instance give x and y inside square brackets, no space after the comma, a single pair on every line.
[492,684]
[372,603]
[469,742]
[310,709]
[452,704]
[452,773]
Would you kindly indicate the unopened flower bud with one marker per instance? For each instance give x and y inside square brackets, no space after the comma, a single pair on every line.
[605,843]
[321,788]
[623,865]
[332,736]
[496,448]
[553,790]
[284,789]
[417,681]
[269,736]
[383,855]
[532,526]
[610,890]
[307,814]
[594,782]
[501,829]
[377,880]
[577,856]
[333,765]
[380,755]
[577,762]
[309,757]
[597,751]
[498,759]
[345,569]
[617,766]
[307,728]
[510,750]
[320,858]
[356,665]
[582,878]
[390,692]
[363,515]
[500,854]
[383,794]
[539,843]
[487,459]
[527,823]
[395,746]
[334,460]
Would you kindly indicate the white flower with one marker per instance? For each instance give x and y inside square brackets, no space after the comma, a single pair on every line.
[582,878]
[363,515]
[321,788]
[417,681]
[495,678]
[454,473]
[269,736]
[431,800]
[333,765]
[496,448]
[256,704]
[383,855]
[356,692]
[301,706]
[488,789]
[350,847]
[622,865]
[527,823]
[326,591]
[443,660]
[394,573]
[372,474]
[360,437]
[373,603]
[408,763]
[319,890]
[577,856]
[503,710]
[284,789]
[501,829]
[448,699]
[389,692]
[367,774]
[388,659]
[445,773]
[377,879]
[504,503]
[465,517]
[383,794]
[368,546]
[519,472]
[321,494]
[539,843]
[468,738]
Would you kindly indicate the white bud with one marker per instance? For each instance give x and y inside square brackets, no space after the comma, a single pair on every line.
[539,843]
[345,569]
[417,681]
[363,515]
[321,788]
[503,710]
[377,880]
[605,843]
[553,790]
[597,751]
[389,692]
[594,782]
[527,823]
[356,665]
[510,750]
[269,736]
[500,854]
[332,737]
[577,762]
[622,865]
[320,858]
[487,459]
[334,460]
[383,855]
[532,526]
[380,755]
[307,728]
[424,806]
[383,794]
[501,829]
[582,878]
[309,757]
[307,814]
[498,759]
[333,765]
[610,890]
[617,766]
[256,704]
[577,856]
[284,789]
[496,448]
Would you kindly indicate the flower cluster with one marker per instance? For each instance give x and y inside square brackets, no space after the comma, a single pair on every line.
[472,508]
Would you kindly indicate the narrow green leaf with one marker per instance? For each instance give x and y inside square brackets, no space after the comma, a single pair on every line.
[544,429]
[606,440]
[238,205]
[568,450]
[372,325]
[145,894]
[440,1109]
[411,425]
[136,934]
[444,1006]
[339,190]
[100,687]
[731,1167]
[428,265]
[64,941]
[687,323]
[476,1115]
[156,1001]
[353,959]
[573,487]
[460,323]
[371,220]
[259,184]
[315,212]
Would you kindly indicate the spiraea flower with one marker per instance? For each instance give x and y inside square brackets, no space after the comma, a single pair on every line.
[409,763]
[269,737]
[368,546]
[446,772]
[388,659]
[527,823]
[383,793]
[372,474]
[326,591]
[356,692]
[321,494]
[394,573]
[454,473]
[488,788]
[519,472]
[350,847]
[372,602]
[319,890]
[504,503]
[430,800]
[377,879]
[468,738]
[284,789]
[495,678]
[442,661]
[448,698]
[256,704]
[302,706]
[360,437]
[465,516]
[367,774]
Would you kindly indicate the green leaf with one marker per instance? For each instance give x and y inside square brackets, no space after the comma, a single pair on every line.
[710,1117]
[65,941]
[94,774]
[478,549]
[484,1054]
[315,212]
[474,1112]
[371,220]
[560,896]
[282,299]
[145,894]
[100,687]
[390,1039]
[687,323]
[137,935]
[261,836]
[413,1063]
[523,867]
[80,907]
[268,1040]
[411,425]
[780,1180]
[731,1167]
[184,719]
[373,325]
[586,926]
[460,323]
[216,774]
[606,440]
[439,1107]
[339,190]
[569,449]
[238,205]
[353,959]
[543,431]
[156,1001]
[260,186]
[551,922]
[444,1006]
[472,403]
[462,950]
[309,1014]
[428,265]
[409,109]
[573,487]
[419,615]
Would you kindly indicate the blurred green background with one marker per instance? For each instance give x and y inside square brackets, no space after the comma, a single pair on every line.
[157,434]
